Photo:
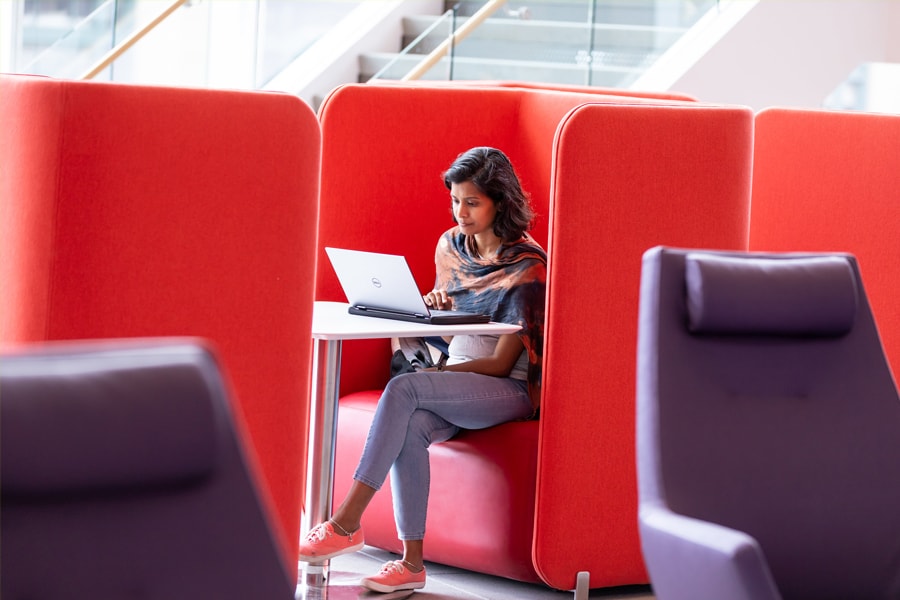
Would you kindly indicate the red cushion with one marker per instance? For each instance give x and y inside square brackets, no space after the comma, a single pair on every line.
[481,504]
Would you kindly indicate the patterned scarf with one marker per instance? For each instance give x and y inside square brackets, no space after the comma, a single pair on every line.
[509,286]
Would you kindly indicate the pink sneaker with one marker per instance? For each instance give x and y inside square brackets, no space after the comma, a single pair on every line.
[395,576]
[323,543]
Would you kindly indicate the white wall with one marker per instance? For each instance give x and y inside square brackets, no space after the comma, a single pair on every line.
[783,52]
[893,20]
[186,48]
[9,34]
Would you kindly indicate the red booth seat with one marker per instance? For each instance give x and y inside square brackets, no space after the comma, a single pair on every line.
[140,211]
[609,178]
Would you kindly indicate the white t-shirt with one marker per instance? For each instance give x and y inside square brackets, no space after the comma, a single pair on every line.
[469,347]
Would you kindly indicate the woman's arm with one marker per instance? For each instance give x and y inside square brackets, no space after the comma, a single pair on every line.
[499,364]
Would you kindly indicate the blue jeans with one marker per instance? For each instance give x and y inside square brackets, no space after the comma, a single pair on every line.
[418,409]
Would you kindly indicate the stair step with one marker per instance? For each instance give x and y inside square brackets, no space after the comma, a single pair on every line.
[523,34]
[554,44]
[474,69]
[622,12]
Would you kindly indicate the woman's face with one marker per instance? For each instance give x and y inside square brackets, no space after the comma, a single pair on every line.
[474,211]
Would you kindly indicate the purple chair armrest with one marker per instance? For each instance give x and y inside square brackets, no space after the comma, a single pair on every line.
[692,559]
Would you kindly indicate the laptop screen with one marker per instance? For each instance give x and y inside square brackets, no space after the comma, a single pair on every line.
[377,280]
[381,285]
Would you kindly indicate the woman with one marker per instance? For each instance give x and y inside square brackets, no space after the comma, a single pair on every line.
[488,264]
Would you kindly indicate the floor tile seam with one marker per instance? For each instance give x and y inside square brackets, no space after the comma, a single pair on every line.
[440,579]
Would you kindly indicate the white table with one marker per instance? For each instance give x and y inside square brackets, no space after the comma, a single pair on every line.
[331,325]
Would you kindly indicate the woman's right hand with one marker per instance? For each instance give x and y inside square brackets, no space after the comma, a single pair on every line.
[438,299]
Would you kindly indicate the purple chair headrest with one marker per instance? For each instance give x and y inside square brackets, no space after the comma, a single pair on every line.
[803,296]
[82,424]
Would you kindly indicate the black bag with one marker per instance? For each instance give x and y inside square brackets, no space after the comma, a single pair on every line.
[413,355]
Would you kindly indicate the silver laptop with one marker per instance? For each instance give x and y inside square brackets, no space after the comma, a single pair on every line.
[381,285]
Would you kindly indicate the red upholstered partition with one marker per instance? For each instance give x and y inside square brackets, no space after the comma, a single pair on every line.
[829,181]
[625,178]
[138,211]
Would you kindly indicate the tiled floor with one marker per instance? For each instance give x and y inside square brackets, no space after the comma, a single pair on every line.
[444,583]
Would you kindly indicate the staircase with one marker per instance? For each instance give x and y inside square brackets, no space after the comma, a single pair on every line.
[607,43]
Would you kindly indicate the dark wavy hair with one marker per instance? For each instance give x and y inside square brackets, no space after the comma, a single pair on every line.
[493,174]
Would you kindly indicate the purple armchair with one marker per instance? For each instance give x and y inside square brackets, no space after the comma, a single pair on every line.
[768,430]
[124,476]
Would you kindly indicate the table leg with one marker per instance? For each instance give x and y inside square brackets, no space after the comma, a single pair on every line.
[320,449]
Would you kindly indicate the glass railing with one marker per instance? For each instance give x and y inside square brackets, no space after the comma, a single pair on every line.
[440,31]
[245,43]
[607,43]
[871,87]
[64,39]
[239,43]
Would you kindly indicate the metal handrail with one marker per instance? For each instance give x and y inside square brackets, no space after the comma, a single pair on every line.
[120,49]
[411,45]
[464,30]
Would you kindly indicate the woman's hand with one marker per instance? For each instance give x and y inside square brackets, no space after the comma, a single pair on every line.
[438,299]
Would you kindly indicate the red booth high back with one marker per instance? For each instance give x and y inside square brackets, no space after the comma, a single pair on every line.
[139,211]
[625,177]
[828,182]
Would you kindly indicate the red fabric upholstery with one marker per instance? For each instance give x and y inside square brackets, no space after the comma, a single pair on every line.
[827,181]
[138,211]
[608,181]
[615,195]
